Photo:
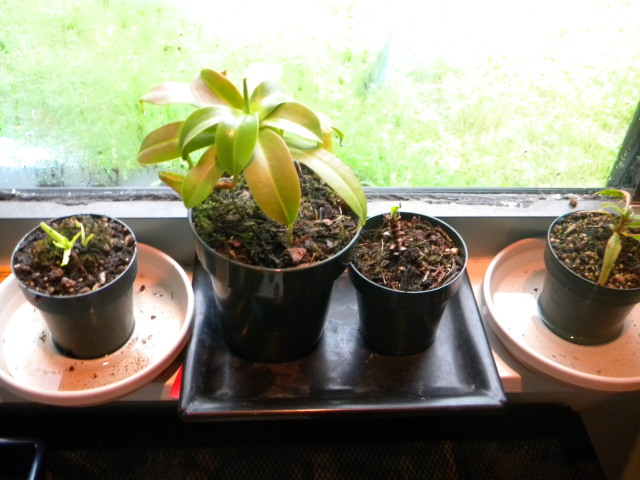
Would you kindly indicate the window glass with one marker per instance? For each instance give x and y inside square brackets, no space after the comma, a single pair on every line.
[429,93]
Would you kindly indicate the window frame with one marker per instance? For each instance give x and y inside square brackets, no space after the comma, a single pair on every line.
[159,218]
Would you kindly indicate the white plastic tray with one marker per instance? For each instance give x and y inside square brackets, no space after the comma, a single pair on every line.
[31,367]
[510,290]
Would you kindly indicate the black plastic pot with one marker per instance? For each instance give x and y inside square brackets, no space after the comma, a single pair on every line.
[271,315]
[398,322]
[579,310]
[92,324]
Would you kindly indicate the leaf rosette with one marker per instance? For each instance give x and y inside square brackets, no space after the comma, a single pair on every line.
[259,135]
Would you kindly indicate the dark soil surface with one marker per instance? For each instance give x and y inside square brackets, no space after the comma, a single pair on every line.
[410,255]
[230,222]
[579,240]
[37,261]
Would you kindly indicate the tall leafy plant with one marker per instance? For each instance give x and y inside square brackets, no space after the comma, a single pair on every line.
[256,133]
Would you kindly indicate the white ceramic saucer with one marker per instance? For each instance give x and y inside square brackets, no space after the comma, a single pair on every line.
[510,290]
[32,368]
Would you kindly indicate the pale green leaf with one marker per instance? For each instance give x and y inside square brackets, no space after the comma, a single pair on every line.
[337,175]
[196,130]
[635,236]
[203,94]
[611,252]
[202,140]
[161,145]
[222,88]
[170,92]
[613,206]
[173,180]
[273,179]
[266,97]
[236,138]
[295,118]
[201,179]
[57,238]
[612,192]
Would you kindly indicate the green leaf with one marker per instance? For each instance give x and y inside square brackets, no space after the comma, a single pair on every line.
[266,97]
[203,94]
[161,145]
[174,180]
[222,88]
[635,236]
[612,205]
[196,131]
[337,175]
[201,179]
[611,252]
[204,139]
[169,92]
[57,238]
[338,132]
[273,179]
[295,118]
[60,241]
[612,192]
[236,138]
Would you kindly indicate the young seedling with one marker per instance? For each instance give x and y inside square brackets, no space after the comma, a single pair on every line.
[623,219]
[62,242]
[395,233]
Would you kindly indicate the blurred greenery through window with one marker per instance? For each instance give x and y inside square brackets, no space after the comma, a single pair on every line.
[429,93]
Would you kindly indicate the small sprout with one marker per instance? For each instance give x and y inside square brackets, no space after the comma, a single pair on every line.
[623,219]
[62,242]
[395,232]
[83,240]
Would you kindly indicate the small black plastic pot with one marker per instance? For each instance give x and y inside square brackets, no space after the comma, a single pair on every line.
[270,315]
[398,322]
[88,325]
[579,310]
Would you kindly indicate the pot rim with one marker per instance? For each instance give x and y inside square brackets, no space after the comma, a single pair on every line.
[462,245]
[570,271]
[38,293]
[258,268]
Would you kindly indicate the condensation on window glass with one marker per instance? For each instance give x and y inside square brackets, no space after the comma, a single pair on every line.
[433,93]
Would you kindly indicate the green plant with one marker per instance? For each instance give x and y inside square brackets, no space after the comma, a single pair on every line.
[623,220]
[257,135]
[394,233]
[62,242]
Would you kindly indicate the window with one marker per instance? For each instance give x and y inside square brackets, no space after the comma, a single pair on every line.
[429,94]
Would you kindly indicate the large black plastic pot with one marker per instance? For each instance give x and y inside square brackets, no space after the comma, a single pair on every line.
[399,322]
[88,325]
[579,310]
[270,315]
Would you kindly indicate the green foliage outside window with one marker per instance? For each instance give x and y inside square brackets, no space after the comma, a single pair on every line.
[440,94]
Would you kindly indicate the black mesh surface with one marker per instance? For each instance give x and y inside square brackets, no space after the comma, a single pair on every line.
[533,444]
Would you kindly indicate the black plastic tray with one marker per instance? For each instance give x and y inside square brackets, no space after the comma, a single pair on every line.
[341,376]
[21,459]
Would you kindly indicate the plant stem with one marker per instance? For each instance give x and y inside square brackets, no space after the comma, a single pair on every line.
[245,94]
